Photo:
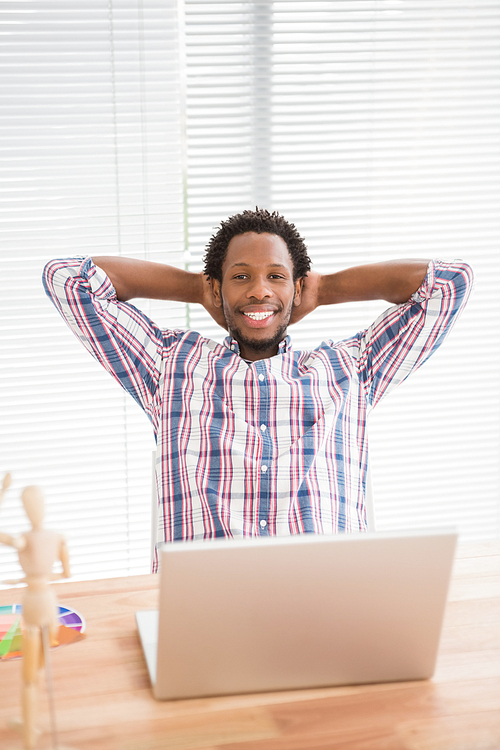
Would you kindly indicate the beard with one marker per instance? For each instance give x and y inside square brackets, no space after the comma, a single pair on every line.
[257,345]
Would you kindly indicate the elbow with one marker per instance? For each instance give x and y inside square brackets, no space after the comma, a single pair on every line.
[48,274]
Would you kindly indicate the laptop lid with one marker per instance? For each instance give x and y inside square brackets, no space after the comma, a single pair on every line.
[275,613]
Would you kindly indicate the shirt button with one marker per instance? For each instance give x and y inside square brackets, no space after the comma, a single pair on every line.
[261,377]
[263,468]
[263,427]
[263,524]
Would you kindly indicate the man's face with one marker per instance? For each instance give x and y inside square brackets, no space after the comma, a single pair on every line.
[257,292]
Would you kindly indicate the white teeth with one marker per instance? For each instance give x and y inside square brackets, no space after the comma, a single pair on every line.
[258,315]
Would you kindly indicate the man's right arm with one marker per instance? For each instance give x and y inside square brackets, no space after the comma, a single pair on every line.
[121,337]
[133,278]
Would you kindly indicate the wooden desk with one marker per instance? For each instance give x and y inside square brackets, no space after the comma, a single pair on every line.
[104,700]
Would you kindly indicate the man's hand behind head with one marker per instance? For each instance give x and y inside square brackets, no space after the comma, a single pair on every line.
[309,298]
[207,300]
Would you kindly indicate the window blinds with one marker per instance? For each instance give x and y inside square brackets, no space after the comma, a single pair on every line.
[378,137]
[92,163]
[134,127]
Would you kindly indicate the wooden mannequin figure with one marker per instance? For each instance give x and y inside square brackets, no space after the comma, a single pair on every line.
[38,550]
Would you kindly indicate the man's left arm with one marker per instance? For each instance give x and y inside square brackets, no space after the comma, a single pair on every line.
[393,281]
[427,297]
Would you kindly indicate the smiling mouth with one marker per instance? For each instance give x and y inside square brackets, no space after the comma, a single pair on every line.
[258,315]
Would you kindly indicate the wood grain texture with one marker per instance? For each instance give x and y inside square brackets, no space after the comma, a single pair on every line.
[104,700]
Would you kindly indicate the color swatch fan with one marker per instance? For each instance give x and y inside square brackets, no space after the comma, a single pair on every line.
[71,629]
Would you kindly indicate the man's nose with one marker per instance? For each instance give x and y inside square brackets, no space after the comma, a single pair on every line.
[259,288]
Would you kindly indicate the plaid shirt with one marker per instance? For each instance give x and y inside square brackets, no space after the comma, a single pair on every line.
[272,447]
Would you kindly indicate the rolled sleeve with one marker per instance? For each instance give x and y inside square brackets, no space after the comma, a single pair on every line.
[405,336]
[124,340]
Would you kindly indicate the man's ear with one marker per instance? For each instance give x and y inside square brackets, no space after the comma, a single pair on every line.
[297,299]
[215,284]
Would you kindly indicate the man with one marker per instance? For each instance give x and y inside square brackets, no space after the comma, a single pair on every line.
[255,438]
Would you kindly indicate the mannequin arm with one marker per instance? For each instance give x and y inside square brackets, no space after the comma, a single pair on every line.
[19,542]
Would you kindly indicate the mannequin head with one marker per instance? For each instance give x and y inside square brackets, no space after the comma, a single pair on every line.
[34,505]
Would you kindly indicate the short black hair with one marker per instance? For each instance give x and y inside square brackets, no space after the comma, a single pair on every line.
[259,221]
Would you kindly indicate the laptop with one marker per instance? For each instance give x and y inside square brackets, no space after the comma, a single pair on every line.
[282,613]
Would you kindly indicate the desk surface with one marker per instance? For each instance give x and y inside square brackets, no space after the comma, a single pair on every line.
[104,701]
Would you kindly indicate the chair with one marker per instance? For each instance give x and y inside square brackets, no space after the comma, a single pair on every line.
[154,508]
[369,502]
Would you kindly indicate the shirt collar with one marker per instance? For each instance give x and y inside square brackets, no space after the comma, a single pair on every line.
[284,346]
